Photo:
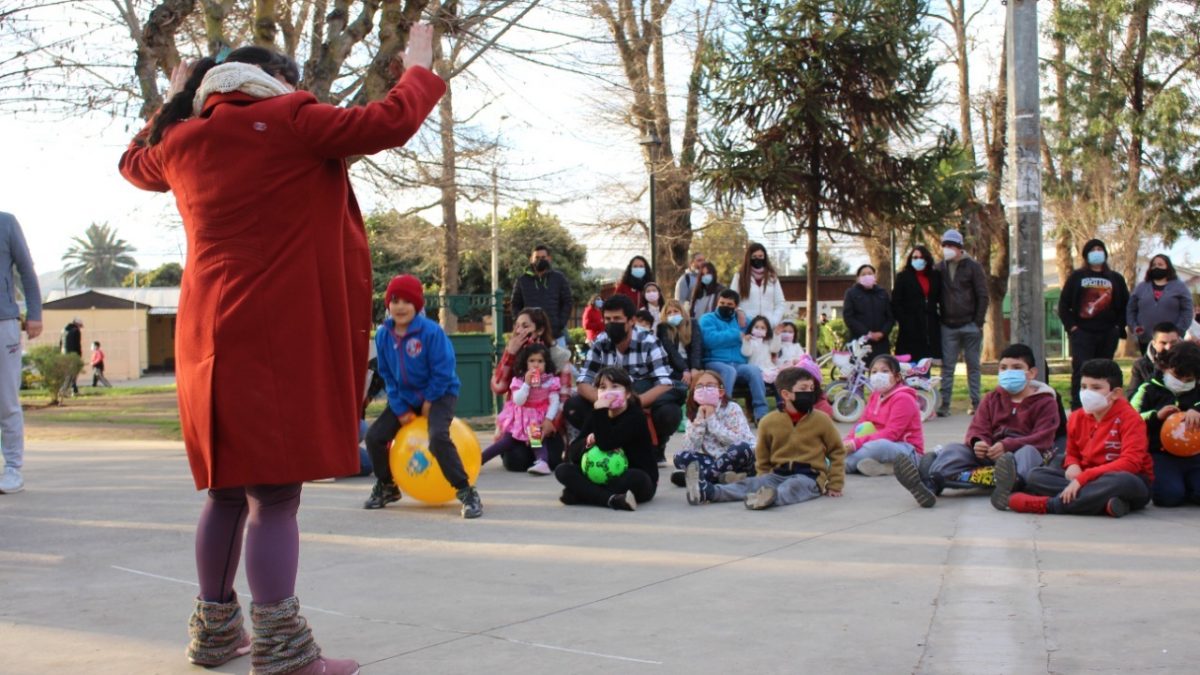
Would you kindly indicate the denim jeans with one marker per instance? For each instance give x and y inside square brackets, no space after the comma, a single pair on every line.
[881,450]
[731,373]
[969,340]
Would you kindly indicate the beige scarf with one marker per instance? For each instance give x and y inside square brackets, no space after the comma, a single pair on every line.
[243,77]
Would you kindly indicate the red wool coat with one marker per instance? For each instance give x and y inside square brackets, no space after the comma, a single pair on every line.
[275,307]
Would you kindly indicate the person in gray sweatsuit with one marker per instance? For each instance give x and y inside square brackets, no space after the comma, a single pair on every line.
[14,253]
[1160,298]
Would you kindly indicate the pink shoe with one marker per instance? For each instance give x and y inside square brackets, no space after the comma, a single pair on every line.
[324,666]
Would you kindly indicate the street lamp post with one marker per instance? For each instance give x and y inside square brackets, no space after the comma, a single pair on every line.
[652,143]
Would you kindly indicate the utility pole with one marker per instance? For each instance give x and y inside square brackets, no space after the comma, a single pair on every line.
[497,308]
[1025,174]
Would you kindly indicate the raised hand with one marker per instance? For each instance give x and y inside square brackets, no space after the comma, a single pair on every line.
[420,47]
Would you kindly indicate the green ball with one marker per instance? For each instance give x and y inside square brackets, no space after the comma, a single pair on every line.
[864,429]
[601,466]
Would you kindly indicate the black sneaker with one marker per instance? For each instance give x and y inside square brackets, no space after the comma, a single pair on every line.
[1117,507]
[677,479]
[623,501]
[1006,480]
[472,506]
[382,495]
[908,476]
[925,470]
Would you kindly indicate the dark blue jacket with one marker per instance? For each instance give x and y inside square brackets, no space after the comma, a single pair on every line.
[418,367]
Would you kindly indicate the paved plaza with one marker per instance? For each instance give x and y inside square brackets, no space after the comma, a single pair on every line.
[96,576]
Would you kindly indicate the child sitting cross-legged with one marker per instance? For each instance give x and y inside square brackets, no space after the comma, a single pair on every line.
[895,423]
[1107,470]
[1166,393]
[799,454]
[718,439]
[528,417]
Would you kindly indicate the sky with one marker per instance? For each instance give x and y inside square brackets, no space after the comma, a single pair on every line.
[60,175]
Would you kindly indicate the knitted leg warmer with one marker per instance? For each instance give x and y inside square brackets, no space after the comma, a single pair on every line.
[216,633]
[283,642]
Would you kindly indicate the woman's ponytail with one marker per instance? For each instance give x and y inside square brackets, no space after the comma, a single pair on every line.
[179,107]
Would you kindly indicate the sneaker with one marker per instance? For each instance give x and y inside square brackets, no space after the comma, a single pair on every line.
[872,467]
[472,506]
[908,476]
[622,501]
[1117,507]
[540,468]
[1006,479]
[697,491]
[327,666]
[382,495]
[925,468]
[972,409]
[943,413]
[11,482]
[730,477]
[677,479]
[762,498]
[1023,503]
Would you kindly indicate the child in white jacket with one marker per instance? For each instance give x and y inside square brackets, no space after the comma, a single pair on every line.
[759,347]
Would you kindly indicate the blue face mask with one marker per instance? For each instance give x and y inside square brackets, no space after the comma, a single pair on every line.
[918,264]
[675,319]
[1096,257]
[706,279]
[638,272]
[1012,381]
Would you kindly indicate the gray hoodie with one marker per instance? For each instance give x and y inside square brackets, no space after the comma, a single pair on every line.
[1175,306]
[14,252]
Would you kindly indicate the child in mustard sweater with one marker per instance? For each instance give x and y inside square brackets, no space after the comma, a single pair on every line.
[791,455]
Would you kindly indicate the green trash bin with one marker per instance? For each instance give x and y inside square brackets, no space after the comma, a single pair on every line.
[473,353]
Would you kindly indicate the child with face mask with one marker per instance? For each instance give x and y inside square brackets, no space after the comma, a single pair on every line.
[1172,391]
[1013,431]
[1108,469]
[894,419]
[759,346]
[593,319]
[718,445]
[798,456]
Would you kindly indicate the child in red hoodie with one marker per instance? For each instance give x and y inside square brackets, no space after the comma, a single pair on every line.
[1108,465]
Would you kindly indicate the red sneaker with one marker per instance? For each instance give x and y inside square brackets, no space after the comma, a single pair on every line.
[1023,503]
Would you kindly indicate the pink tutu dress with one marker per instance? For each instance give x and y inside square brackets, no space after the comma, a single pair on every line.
[516,418]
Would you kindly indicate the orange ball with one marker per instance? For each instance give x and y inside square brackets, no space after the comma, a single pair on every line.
[1177,439]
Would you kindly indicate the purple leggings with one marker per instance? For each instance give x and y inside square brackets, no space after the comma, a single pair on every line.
[266,514]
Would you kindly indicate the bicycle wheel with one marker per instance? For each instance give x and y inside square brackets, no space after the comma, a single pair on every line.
[847,406]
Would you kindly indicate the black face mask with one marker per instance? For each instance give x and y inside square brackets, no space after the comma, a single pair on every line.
[725,313]
[758,263]
[804,400]
[1158,274]
[541,265]
[615,332]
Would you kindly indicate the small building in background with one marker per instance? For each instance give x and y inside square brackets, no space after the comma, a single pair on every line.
[135,326]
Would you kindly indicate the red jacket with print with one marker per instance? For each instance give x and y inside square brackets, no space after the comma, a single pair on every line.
[1115,443]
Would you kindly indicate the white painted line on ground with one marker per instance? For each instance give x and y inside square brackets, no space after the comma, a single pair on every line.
[154,576]
[575,651]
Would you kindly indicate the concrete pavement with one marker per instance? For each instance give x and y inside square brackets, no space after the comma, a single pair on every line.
[96,576]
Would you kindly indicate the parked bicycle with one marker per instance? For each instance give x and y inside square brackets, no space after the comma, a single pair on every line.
[850,390]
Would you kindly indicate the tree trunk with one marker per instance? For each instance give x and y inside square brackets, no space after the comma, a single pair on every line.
[674,211]
[879,248]
[995,224]
[156,49]
[264,23]
[814,224]
[449,188]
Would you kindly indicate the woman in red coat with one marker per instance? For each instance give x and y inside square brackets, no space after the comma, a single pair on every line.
[274,316]
[637,275]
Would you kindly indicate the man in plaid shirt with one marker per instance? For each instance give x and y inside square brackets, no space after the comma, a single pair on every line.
[643,357]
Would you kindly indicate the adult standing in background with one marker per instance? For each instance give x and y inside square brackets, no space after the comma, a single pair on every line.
[72,343]
[963,310]
[1092,309]
[867,309]
[915,300]
[758,286]
[633,281]
[705,292]
[1160,298]
[687,280]
[14,253]
[546,288]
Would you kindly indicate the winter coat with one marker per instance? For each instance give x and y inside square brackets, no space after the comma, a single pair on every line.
[867,310]
[1175,306]
[72,339]
[682,357]
[1115,443]
[1034,421]
[964,294]
[897,417]
[920,334]
[722,339]
[275,307]
[1153,396]
[762,300]
[551,293]
[593,322]
[634,294]
[418,366]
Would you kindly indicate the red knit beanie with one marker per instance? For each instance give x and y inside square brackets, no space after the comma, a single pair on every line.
[406,287]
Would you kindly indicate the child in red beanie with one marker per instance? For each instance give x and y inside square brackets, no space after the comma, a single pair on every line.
[416,362]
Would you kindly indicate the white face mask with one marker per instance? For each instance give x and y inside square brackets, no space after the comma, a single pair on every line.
[1176,385]
[949,253]
[786,338]
[881,380]
[1093,401]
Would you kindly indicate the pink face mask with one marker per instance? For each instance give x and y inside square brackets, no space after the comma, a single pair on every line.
[786,338]
[759,333]
[708,396]
[616,398]
[867,280]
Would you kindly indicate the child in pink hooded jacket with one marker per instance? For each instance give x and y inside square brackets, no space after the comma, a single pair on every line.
[894,413]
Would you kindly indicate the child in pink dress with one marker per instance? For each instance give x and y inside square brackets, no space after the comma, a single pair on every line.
[528,416]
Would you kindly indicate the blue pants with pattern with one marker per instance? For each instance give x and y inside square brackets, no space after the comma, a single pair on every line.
[738,458]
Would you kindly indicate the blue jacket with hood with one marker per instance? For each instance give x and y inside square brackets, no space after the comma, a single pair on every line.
[417,367]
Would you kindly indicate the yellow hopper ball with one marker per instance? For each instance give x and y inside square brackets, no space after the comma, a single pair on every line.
[416,470]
